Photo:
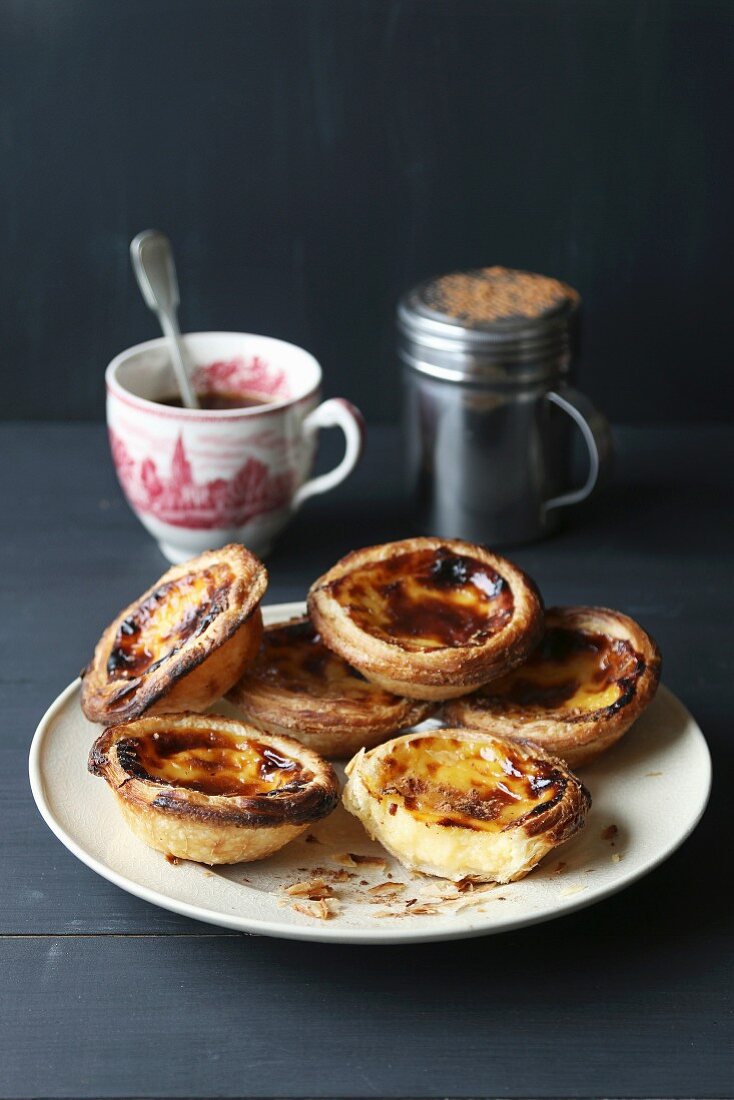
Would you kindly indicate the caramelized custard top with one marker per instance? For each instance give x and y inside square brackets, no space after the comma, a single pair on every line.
[426,599]
[570,670]
[171,615]
[293,658]
[212,762]
[473,784]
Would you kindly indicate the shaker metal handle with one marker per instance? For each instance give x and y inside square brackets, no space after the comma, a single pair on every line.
[597,437]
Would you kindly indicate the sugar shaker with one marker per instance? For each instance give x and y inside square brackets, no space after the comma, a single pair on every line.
[488,405]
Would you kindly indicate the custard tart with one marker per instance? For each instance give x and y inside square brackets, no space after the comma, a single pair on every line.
[460,803]
[300,688]
[212,789]
[589,679]
[183,643]
[428,618]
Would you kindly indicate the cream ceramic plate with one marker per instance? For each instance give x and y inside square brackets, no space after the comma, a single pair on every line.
[653,787]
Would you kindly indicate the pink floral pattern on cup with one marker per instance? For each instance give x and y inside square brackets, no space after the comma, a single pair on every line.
[180,500]
[240,375]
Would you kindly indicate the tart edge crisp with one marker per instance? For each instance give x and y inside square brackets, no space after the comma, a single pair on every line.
[450,849]
[577,737]
[203,667]
[333,727]
[440,673]
[187,823]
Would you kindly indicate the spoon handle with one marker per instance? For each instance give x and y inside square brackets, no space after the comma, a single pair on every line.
[155,270]
[169,324]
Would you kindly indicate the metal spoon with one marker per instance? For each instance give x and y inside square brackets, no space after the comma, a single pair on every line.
[152,259]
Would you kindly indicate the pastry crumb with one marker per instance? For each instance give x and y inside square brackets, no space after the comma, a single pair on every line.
[344,858]
[385,888]
[467,901]
[173,860]
[315,889]
[609,832]
[559,868]
[318,909]
[367,861]
[462,897]
[616,857]
[469,882]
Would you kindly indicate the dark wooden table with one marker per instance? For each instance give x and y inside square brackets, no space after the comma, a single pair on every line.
[105,996]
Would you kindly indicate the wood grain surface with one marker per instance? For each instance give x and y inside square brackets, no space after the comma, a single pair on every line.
[102,995]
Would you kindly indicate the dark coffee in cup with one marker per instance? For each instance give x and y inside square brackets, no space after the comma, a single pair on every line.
[225,400]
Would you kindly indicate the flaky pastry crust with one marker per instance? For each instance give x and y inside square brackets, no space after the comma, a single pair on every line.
[183,643]
[212,789]
[546,701]
[454,665]
[297,687]
[460,803]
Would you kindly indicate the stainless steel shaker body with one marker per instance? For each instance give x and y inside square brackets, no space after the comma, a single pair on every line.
[489,416]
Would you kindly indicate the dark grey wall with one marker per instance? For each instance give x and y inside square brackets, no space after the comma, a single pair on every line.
[313,158]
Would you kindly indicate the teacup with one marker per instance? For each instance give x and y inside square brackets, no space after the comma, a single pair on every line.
[198,479]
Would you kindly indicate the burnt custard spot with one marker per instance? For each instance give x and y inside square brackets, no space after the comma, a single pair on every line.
[427,599]
[293,658]
[169,617]
[211,762]
[571,670]
[471,784]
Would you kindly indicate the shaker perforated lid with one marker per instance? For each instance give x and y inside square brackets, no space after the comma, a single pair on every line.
[495,311]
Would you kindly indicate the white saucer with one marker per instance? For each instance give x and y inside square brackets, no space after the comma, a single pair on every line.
[653,786]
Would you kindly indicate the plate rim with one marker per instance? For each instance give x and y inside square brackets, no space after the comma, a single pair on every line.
[331,933]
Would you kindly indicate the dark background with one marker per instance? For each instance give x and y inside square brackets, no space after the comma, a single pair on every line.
[311,159]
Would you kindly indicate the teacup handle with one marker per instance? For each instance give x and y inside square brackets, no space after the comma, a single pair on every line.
[335,413]
[597,437]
